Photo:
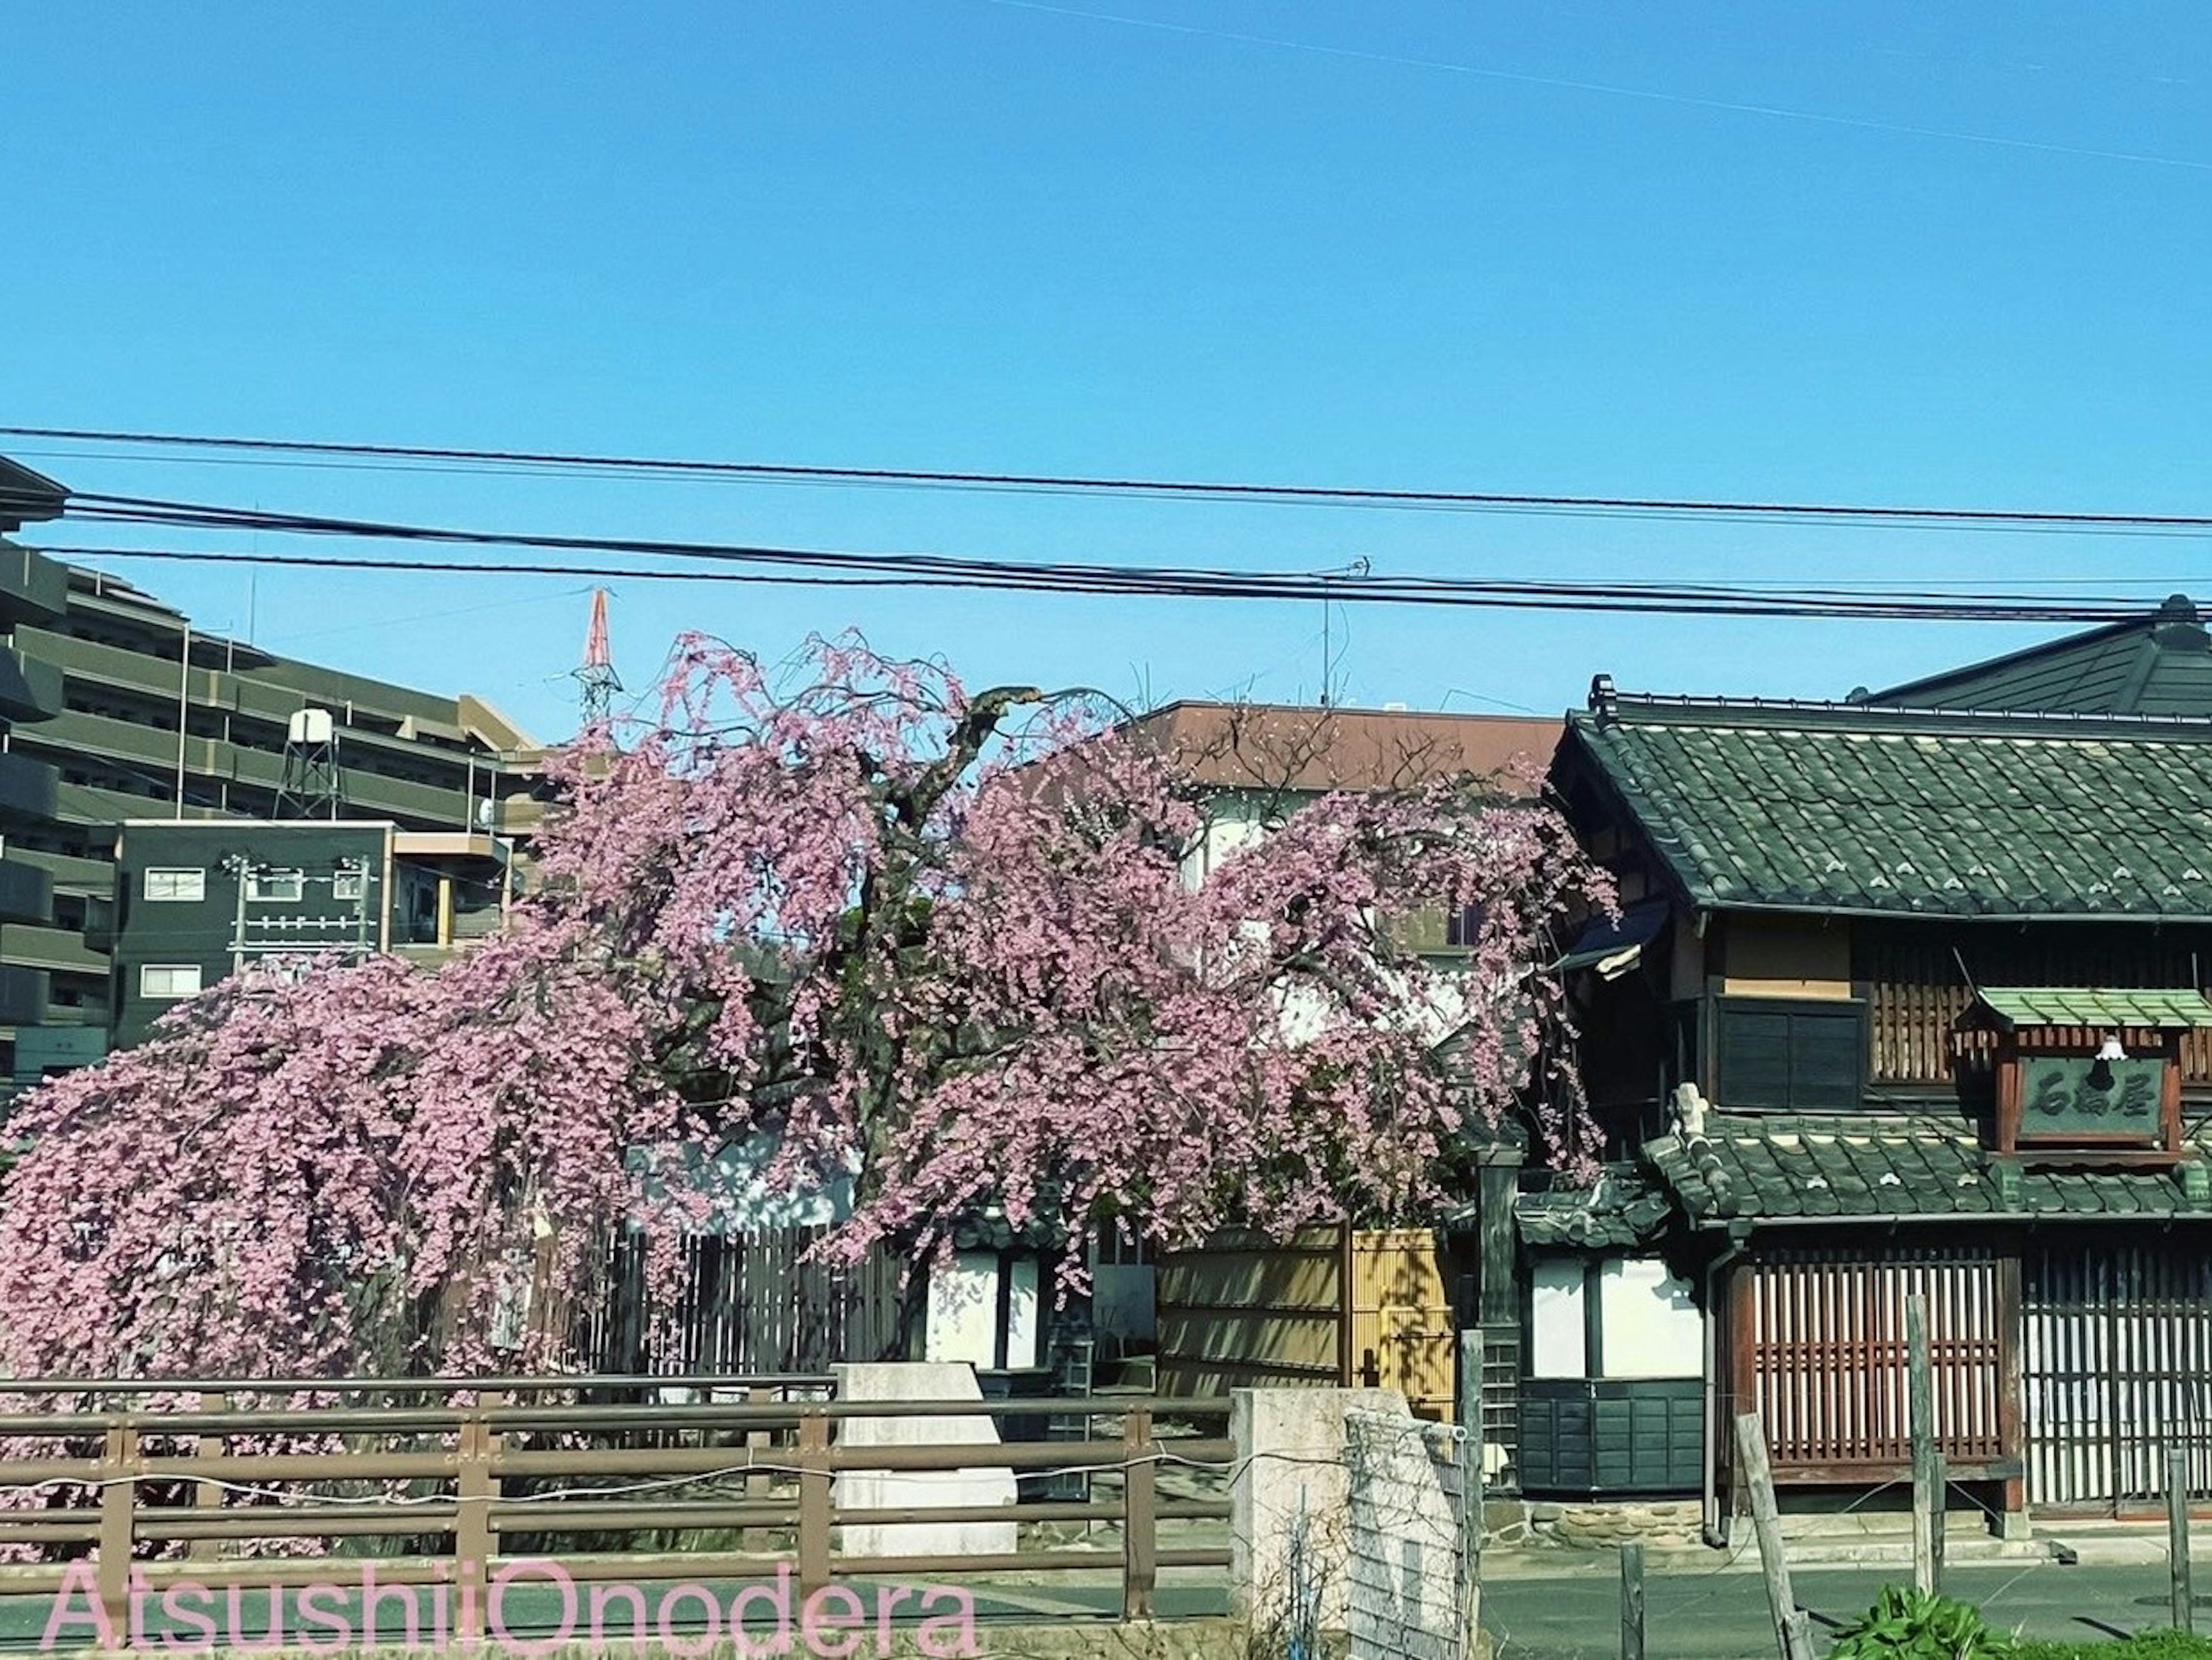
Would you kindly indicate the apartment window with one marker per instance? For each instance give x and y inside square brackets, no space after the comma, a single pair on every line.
[349,885]
[1463,927]
[176,885]
[169,980]
[276,887]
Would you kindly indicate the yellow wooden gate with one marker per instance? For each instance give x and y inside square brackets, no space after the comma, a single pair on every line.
[1402,1323]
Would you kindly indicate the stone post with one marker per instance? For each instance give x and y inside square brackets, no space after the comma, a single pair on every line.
[1290,1474]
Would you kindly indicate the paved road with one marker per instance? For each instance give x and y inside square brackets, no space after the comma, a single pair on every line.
[1692,1615]
[533,1609]
[1706,1615]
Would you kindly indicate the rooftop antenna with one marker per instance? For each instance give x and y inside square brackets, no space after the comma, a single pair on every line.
[596,674]
[1357,568]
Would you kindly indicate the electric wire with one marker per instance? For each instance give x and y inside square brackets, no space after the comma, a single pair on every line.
[820,567]
[860,571]
[635,466]
[144,511]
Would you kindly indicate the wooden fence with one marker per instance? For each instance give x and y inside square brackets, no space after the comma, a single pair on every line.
[1247,1312]
[750,1301]
[1820,1348]
[1367,1307]
[447,1494]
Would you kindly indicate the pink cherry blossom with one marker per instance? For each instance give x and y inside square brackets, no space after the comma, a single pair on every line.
[947,935]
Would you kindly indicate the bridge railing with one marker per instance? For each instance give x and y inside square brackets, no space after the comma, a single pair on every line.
[172,1483]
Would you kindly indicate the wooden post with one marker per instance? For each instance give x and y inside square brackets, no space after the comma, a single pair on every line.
[1940,1477]
[1631,1601]
[1927,1493]
[1346,1271]
[2012,1522]
[119,1502]
[1791,1633]
[756,1484]
[2177,1539]
[1139,1533]
[814,1502]
[1470,1384]
[475,1487]
[206,1495]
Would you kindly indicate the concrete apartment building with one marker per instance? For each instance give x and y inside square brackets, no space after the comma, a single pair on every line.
[119,710]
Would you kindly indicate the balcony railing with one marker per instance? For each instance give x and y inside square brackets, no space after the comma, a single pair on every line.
[27,787]
[29,690]
[26,893]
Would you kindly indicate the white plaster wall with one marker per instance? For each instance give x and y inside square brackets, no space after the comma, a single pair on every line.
[962,1321]
[1557,1338]
[1024,1315]
[1648,1324]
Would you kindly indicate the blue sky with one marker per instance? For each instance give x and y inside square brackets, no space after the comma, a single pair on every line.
[1733,249]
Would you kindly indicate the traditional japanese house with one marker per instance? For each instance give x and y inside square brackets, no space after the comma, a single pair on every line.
[1908,998]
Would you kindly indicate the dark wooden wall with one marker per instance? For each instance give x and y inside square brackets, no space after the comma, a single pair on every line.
[1818,1348]
[749,1303]
[1916,989]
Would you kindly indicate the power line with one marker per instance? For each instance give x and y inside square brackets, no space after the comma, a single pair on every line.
[1080,577]
[2019,519]
[830,568]
[877,571]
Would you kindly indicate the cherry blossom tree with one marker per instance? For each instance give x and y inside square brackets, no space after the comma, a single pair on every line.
[947,938]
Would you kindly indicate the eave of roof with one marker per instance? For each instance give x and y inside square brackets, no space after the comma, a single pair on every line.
[26,497]
[1838,810]
[2153,1009]
[1739,1172]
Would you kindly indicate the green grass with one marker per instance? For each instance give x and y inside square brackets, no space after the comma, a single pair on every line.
[2149,1646]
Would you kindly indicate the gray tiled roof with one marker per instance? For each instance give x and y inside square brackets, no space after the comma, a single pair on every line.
[1832,808]
[1625,1209]
[2158,664]
[1849,1169]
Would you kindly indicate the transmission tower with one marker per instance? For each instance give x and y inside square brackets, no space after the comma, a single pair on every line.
[596,675]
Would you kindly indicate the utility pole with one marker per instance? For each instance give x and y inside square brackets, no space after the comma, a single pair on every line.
[238,867]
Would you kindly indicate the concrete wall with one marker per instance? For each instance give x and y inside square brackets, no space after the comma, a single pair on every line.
[1290,1501]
